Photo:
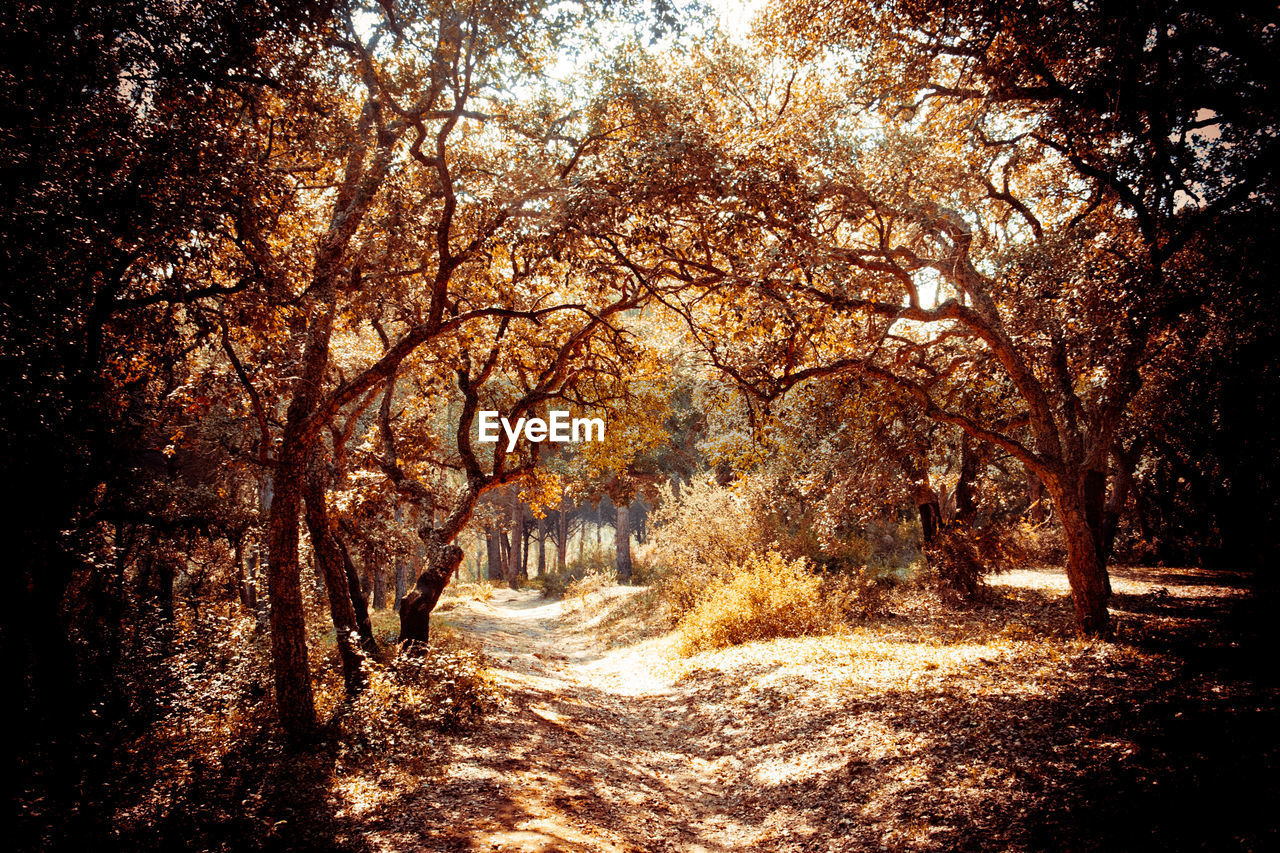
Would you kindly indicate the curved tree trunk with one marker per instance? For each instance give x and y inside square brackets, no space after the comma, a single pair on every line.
[443,560]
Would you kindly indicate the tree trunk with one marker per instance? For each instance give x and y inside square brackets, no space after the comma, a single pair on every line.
[1085,571]
[930,514]
[379,588]
[295,703]
[1095,494]
[562,534]
[524,552]
[966,503]
[251,581]
[262,603]
[443,560]
[542,546]
[317,574]
[493,547]
[1121,487]
[329,560]
[243,590]
[402,567]
[295,700]
[1036,510]
[358,601]
[623,543]
[515,557]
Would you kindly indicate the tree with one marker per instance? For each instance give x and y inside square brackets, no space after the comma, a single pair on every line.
[404,228]
[1162,113]
[970,246]
[1197,452]
[122,152]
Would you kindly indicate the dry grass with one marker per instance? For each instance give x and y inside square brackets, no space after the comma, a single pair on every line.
[763,598]
[478,591]
[594,582]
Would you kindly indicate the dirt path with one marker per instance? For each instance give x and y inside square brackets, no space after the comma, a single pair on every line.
[929,729]
[608,749]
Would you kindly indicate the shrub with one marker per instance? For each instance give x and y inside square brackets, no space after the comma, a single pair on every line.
[955,564]
[444,688]
[645,570]
[863,594]
[682,589]
[1043,544]
[708,527]
[763,598]
[555,583]
[701,537]
[594,580]
[960,558]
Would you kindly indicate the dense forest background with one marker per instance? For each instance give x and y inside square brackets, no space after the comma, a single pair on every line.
[877,294]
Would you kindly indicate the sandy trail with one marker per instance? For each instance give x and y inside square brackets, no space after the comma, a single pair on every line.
[605,746]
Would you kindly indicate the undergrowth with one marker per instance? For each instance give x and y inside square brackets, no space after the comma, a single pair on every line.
[444,688]
[766,597]
[596,563]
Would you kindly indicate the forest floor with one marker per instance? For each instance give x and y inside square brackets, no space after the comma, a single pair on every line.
[933,728]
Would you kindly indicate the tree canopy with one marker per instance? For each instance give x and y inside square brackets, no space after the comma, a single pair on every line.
[965,265]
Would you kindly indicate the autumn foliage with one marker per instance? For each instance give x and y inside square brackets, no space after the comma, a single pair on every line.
[879,296]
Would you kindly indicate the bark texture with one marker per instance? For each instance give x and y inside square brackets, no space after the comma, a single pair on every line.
[295,702]
[562,533]
[329,561]
[1090,586]
[515,562]
[623,559]
[443,560]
